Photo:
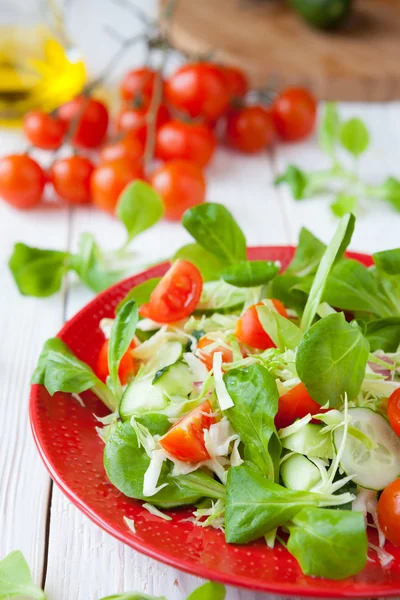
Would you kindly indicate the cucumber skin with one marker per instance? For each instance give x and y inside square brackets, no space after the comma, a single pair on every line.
[323,14]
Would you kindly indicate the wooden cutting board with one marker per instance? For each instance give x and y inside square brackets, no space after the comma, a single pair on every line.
[272,44]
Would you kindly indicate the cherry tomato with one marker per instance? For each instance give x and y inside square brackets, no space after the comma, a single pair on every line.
[393,411]
[22,180]
[236,81]
[294,113]
[185,439]
[128,146]
[187,141]
[389,512]
[198,90]
[92,121]
[206,356]
[71,178]
[295,404]
[181,184]
[43,130]
[108,181]
[137,82]
[250,129]
[250,331]
[177,294]
[134,119]
[127,366]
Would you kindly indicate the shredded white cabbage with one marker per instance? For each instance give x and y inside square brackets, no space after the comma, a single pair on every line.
[106,326]
[236,459]
[147,325]
[213,516]
[384,557]
[218,438]
[270,538]
[197,368]
[153,473]
[78,399]
[144,437]
[131,524]
[156,512]
[294,427]
[224,399]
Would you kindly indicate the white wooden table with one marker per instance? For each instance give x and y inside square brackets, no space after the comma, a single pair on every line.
[73,558]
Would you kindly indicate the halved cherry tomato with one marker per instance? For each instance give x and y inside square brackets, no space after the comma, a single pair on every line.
[236,81]
[250,129]
[22,180]
[207,356]
[389,512]
[176,295]
[137,82]
[181,185]
[44,130]
[134,118]
[92,121]
[186,140]
[71,178]
[108,181]
[128,146]
[295,404]
[393,411]
[294,113]
[127,366]
[250,331]
[199,90]
[185,440]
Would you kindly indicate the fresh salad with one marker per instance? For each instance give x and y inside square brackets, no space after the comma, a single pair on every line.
[266,400]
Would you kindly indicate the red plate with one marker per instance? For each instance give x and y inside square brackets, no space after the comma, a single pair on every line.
[73,454]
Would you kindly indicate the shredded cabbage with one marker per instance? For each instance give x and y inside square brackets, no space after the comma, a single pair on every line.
[131,524]
[197,368]
[156,512]
[153,473]
[224,399]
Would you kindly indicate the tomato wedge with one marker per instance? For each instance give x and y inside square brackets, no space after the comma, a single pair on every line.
[389,512]
[127,366]
[393,411]
[176,295]
[185,440]
[295,404]
[250,331]
[206,356]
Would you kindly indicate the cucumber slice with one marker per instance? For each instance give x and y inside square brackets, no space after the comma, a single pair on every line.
[168,354]
[299,473]
[174,380]
[141,397]
[309,441]
[371,468]
[218,296]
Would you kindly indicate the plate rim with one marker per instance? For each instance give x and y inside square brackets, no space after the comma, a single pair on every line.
[163,556]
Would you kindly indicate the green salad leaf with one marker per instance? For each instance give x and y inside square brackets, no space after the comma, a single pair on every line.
[215,229]
[38,272]
[139,208]
[208,591]
[122,332]
[329,543]
[283,332]
[329,129]
[354,136]
[90,265]
[16,579]
[344,203]
[140,293]
[307,256]
[332,254]
[134,596]
[250,273]
[297,181]
[255,397]
[59,370]
[331,360]
[209,265]
[384,334]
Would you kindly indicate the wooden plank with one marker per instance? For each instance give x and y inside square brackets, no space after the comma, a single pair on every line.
[85,563]
[25,323]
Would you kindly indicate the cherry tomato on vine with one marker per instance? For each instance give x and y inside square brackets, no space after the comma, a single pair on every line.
[127,366]
[181,184]
[92,121]
[134,119]
[393,411]
[108,181]
[250,331]
[186,140]
[176,295]
[128,146]
[295,404]
[71,178]
[250,129]
[389,512]
[137,82]
[207,356]
[294,113]
[185,439]
[22,180]
[198,90]
[44,130]
[236,81]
